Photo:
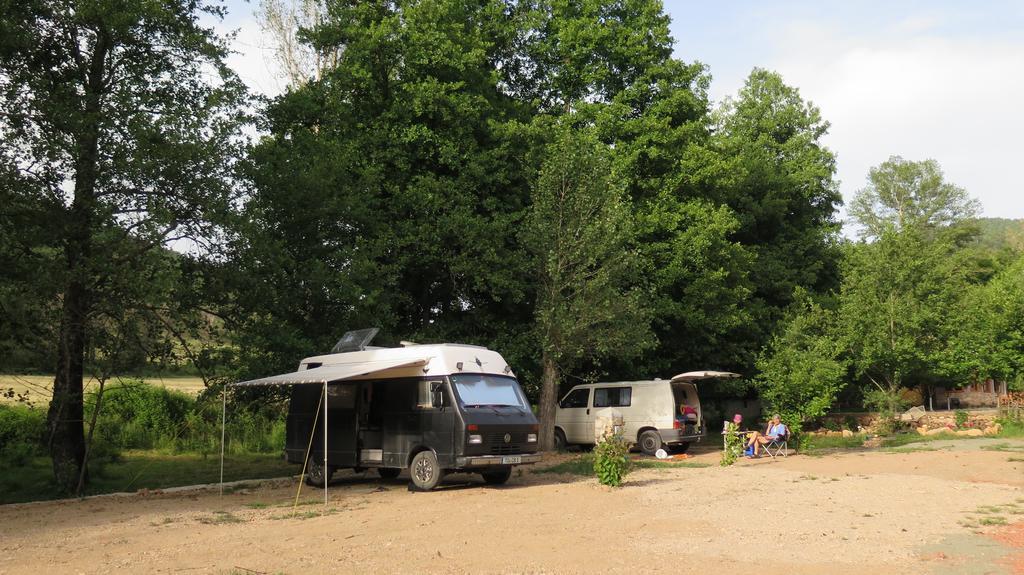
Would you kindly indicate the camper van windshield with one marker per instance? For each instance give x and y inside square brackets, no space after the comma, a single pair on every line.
[476,390]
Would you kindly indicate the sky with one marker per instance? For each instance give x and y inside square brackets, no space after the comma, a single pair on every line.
[938,79]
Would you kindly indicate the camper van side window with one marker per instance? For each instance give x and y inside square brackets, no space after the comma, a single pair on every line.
[423,400]
[613,396]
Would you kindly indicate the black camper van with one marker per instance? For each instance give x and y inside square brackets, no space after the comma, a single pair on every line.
[432,409]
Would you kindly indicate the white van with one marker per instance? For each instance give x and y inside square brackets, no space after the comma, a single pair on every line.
[662,412]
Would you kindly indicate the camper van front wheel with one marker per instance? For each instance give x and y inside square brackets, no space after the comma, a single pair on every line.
[315,475]
[650,442]
[424,471]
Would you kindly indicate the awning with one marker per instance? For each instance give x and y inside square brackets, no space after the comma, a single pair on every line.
[335,372]
[695,375]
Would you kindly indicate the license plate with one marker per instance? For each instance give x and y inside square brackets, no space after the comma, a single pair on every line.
[512,459]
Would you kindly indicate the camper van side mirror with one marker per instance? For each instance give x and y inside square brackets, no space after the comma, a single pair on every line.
[437,394]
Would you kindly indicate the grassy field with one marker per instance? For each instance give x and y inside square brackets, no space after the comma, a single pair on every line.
[136,470]
[38,388]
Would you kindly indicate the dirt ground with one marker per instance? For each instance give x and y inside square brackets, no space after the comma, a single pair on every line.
[943,507]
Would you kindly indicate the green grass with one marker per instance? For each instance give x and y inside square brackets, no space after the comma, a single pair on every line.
[38,387]
[136,470]
[656,464]
[1004,447]
[584,465]
[220,518]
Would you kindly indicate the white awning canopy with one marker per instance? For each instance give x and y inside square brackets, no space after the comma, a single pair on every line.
[335,372]
[696,375]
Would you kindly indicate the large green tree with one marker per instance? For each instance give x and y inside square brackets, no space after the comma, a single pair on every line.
[117,124]
[987,335]
[389,191]
[803,368]
[767,162]
[905,194]
[581,235]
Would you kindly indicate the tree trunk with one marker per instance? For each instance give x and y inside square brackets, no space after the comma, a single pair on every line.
[64,419]
[548,399]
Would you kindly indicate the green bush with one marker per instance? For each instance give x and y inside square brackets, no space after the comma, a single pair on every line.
[851,423]
[961,418]
[733,445]
[611,460]
[22,432]
[135,415]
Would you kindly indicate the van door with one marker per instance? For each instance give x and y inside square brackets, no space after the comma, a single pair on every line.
[574,416]
[437,423]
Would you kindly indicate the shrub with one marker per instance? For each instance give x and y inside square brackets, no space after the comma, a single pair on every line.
[851,423]
[832,425]
[611,460]
[733,445]
[22,430]
[961,418]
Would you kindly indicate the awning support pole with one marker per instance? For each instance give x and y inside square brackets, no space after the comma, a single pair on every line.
[326,474]
[223,426]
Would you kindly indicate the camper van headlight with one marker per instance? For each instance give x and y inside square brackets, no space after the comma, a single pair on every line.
[476,439]
[531,438]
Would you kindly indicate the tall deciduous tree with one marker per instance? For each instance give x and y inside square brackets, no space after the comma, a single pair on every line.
[581,236]
[902,194]
[803,369]
[285,22]
[987,335]
[389,191]
[117,119]
[767,162]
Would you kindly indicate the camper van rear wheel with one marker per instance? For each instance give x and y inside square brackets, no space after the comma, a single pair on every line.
[424,471]
[650,442]
[315,475]
[497,476]
[388,472]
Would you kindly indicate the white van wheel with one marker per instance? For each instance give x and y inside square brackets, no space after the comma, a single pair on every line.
[650,442]
[560,443]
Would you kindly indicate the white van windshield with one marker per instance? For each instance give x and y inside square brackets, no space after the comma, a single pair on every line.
[478,390]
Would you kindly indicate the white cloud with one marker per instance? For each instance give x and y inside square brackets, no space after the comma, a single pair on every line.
[911,92]
[253,55]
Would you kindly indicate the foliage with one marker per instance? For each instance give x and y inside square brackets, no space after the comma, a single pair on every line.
[119,134]
[580,235]
[22,434]
[611,460]
[768,163]
[802,370]
[961,418]
[733,445]
[895,305]
[988,335]
[135,470]
[902,194]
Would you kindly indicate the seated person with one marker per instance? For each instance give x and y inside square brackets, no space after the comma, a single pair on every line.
[776,430]
[687,414]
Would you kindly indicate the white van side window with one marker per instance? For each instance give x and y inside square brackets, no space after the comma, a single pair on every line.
[613,396]
[576,398]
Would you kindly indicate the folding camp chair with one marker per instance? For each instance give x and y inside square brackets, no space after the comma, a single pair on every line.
[777,446]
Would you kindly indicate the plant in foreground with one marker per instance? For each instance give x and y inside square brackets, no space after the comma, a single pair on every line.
[611,460]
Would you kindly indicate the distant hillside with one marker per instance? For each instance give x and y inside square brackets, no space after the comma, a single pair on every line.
[1001,233]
